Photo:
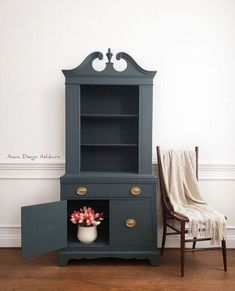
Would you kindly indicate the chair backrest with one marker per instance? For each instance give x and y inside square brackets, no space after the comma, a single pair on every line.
[166,204]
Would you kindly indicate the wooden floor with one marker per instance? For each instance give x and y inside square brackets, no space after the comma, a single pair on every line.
[204,271]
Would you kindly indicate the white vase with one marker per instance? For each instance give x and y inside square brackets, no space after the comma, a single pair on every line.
[87,235]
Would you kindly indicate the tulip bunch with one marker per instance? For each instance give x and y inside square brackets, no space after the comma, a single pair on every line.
[86,216]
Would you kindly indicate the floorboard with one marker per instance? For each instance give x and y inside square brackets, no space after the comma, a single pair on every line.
[204,271]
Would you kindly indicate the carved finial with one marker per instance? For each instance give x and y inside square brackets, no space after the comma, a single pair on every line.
[109,56]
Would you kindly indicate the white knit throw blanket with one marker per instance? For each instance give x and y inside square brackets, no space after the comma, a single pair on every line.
[179,172]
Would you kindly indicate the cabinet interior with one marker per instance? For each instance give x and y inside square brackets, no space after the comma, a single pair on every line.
[102,229]
[109,128]
[109,99]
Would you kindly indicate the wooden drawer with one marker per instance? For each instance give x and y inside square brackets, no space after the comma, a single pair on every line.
[86,190]
[131,223]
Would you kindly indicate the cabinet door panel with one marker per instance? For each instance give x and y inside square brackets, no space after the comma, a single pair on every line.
[44,227]
[131,223]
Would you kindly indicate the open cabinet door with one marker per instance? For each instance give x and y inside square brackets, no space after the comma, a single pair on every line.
[43,227]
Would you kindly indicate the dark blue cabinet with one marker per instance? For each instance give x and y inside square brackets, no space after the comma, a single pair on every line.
[131,223]
[108,165]
[44,227]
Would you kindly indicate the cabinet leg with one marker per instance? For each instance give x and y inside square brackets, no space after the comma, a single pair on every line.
[62,261]
[154,261]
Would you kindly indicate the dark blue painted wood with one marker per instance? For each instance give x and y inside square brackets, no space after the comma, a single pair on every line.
[108,151]
[72,117]
[44,228]
[106,190]
[108,178]
[86,70]
[145,130]
[132,75]
[78,254]
[139,235]
[115,137]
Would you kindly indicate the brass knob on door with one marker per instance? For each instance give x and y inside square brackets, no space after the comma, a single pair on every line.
[81,191]
[130,222]
[135,191]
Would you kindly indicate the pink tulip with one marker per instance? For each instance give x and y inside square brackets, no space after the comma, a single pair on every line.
[86,216]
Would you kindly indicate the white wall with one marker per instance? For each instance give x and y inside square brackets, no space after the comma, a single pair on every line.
[190,43]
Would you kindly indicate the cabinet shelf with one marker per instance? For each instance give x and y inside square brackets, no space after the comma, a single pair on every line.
[73,242]
[109,115]
[109,131]
[109,159]
[109,100]
[109,118]
[109,145]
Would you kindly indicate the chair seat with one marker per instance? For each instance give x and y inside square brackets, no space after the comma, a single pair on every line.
[178,216]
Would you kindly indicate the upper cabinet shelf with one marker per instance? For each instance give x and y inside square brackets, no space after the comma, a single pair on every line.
[113,100]
[110,145]
[109,115]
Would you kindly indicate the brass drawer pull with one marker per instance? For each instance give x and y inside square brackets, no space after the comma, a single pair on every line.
[135,191]
[130,222]
[81,191]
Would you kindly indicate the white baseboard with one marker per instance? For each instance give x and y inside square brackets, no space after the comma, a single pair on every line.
[10,236]
[173,241]
[10,241]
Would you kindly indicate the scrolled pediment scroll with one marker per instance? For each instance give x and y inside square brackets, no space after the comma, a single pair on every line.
[86,65]
[132,62]
[93,66]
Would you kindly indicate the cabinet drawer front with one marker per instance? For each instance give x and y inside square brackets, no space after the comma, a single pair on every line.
[131,223]
[86,190]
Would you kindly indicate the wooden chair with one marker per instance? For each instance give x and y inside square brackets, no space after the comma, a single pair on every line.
[170,215]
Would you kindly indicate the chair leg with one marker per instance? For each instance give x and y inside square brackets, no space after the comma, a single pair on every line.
[224,254]
[194,243]
[163,236]
[182,247]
